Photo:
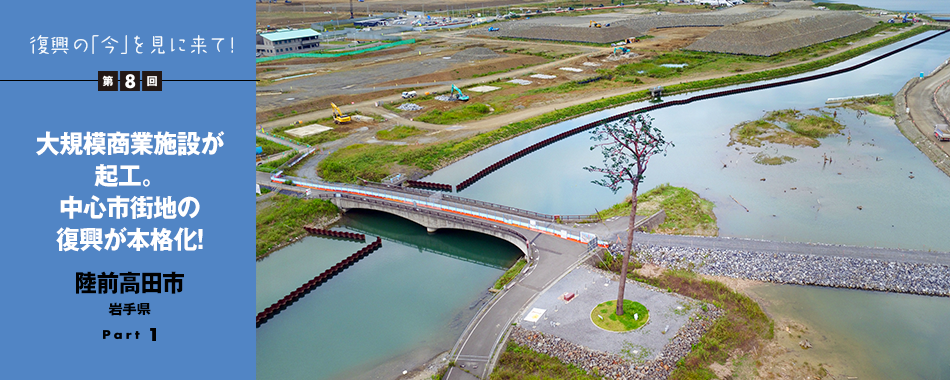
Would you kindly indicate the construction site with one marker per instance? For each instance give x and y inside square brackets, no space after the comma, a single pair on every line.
[517,65]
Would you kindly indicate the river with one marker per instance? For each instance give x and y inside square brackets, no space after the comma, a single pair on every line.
[392,311]
[872,171]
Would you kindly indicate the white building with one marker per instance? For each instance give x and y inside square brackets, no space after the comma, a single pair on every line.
[287,41]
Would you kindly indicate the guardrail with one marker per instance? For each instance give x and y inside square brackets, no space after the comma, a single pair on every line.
[537,146]
[525,213]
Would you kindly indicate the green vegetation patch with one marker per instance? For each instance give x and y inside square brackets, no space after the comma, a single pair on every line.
[686,212]
[273,165]
[510,274]
[521,363]
[882,105]
[753,133]
[635,315]
[815,126]
[398,132]
[744,326]
[284,218]
[765,159]
[270,147]
[840,6]
[455,115]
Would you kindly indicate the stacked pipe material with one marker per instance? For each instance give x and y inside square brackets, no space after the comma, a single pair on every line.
[548,141]
[308,286]
[429,185]
[335,234]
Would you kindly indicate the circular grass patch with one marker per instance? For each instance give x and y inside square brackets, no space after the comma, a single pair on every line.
[605,316]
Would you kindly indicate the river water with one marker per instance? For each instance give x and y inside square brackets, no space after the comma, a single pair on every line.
[392,311]
[410,300]
[867,335]
[875,167]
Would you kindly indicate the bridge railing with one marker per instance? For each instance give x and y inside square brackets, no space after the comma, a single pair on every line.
[440,215]
[526,213]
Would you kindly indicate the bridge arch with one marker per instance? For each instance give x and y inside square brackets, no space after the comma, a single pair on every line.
[434,220]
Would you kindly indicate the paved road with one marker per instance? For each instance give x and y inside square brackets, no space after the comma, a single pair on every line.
[553,257]
[919,96]
[923,108]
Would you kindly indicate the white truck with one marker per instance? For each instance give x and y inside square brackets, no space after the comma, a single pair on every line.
[942,132]
[408,94]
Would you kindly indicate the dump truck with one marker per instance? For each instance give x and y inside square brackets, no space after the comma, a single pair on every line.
[338,116]
[408,94]
[458,95]
[942,132]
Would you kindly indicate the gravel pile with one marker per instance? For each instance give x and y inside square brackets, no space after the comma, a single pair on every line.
[444,98]
[544,76]
[475,54]
[774,38]
[615,366]
[803,269]
[409,107]
[544,29]
[572,69]
[520,81]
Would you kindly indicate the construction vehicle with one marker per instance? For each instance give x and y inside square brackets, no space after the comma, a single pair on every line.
[338,116]
[493,29]
[621,50]
[942,132]
[408,94]
[594,24]
[458,95]
[631,40]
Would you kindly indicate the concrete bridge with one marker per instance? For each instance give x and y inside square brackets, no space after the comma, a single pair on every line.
[432,220]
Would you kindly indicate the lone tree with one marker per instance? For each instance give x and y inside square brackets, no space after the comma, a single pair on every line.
[627,146]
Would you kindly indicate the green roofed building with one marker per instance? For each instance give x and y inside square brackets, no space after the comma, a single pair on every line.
[287,41]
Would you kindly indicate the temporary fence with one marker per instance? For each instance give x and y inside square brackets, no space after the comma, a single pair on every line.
[324,55]
[308,286]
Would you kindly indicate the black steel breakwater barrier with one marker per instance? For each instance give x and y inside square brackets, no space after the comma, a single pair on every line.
[335,234]
[308,286]
[429,185]
[524,152]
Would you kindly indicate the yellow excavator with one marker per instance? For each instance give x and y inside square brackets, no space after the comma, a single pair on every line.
[594,24]
[338,116]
